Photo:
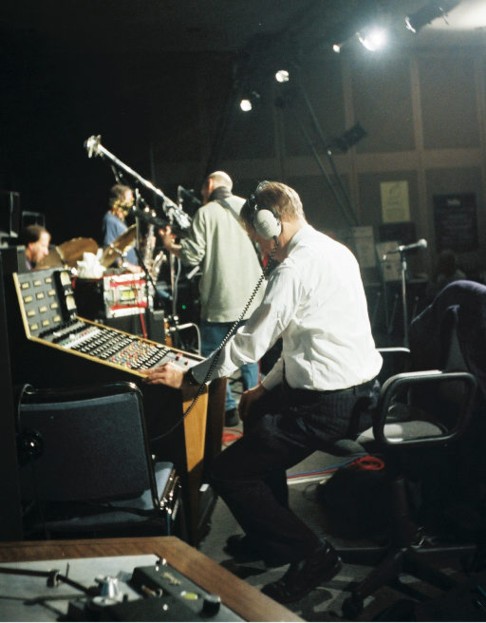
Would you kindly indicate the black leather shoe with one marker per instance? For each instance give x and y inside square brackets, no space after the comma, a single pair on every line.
[231,418]
[301,577]
[242,549]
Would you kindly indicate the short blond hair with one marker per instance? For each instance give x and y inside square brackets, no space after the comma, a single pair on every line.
[280,199]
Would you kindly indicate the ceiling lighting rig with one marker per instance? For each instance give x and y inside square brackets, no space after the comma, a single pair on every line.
[430,12]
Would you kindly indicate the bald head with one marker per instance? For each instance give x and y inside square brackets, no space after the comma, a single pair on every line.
[213,181]
[220,178]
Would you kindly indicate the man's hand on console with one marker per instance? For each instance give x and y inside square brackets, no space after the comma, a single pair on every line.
[166,374]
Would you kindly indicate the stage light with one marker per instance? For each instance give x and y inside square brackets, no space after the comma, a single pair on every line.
[246,105]
[345,33]
[249,103]
[373,39]
[282,75]
[430,12]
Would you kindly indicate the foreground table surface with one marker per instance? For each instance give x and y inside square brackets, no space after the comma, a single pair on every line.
[245,600]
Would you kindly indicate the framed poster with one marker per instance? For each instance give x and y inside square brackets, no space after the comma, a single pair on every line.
[395,206]
[455,219]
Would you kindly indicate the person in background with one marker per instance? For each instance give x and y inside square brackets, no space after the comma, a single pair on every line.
[218,243]
[120,202]
[446,272]
[36,240]
[311,398]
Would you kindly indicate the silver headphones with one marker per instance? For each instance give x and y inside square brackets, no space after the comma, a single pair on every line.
[264,220]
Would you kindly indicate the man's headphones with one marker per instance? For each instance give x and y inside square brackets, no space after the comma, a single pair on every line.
[264,220]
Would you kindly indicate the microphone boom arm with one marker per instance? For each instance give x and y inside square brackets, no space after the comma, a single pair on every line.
[171,209]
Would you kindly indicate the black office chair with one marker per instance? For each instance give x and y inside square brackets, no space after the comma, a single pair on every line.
[420,417]
[86,468]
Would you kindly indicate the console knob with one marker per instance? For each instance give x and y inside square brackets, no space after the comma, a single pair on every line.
[211,605]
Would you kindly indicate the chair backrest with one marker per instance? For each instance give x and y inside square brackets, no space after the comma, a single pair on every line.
[461,304]
[84,444]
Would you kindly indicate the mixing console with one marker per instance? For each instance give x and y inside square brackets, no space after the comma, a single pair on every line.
[49,316]
[113,346]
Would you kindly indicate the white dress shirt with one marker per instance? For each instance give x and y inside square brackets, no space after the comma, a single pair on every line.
[315,301]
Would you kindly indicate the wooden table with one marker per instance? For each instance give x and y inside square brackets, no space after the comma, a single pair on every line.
[245,600]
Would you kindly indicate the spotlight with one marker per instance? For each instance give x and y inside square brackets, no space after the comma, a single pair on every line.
[339,43]
[248,103]
[282,75]
[245,105]
[430,12]
[374,39]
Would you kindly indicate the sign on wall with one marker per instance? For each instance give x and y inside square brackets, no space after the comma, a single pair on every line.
[395,205]
[455,221]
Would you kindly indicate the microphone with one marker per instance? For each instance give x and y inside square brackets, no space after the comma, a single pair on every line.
[92,145]
[420,244]
[403,248]
[183,193]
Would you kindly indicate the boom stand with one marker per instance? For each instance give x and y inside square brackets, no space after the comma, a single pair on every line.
[403,268]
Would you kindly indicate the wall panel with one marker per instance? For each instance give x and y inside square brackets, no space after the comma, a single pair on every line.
[322,87]
[382,103]
[448,99]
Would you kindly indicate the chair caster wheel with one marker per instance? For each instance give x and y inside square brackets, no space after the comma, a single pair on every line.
[352,607]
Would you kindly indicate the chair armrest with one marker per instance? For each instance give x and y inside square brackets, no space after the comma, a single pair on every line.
[394,349]
[396,359]
[428,380]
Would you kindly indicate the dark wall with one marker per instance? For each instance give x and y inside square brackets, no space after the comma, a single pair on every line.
[56,95]
[10,515]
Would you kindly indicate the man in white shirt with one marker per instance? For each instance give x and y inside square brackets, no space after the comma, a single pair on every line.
[315,302]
